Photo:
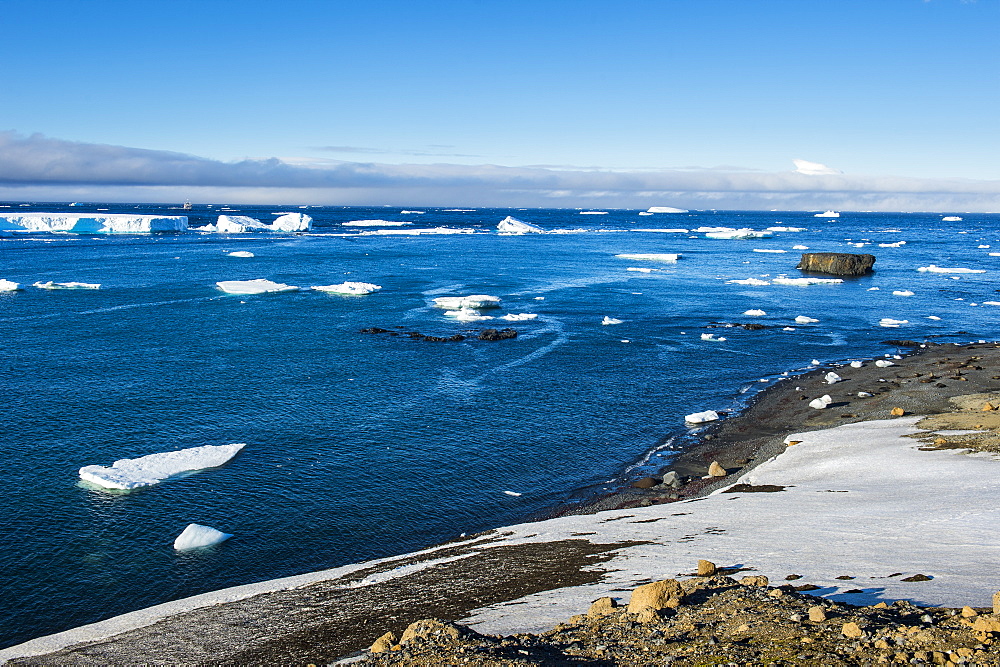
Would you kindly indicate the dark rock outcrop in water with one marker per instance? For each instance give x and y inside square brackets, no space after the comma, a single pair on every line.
[486,334]
[501,334]
[836,263]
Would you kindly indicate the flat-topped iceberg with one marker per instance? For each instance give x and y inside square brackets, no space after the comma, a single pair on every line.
[51,285]
[353,288]
[827,214]
[9,286]
[196,535]
[93,223]
[652,257]
[665,209]
[256,286]
[126,474]
[941,269]
[510,225]
[473,301]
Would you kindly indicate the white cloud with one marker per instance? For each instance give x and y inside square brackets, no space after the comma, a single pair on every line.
[813,168]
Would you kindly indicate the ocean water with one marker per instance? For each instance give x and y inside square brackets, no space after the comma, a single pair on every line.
[363,445]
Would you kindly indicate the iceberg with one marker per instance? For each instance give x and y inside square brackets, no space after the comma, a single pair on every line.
[196,535]
[241,253]
[891,323]
[473,301]
[376,223]
[51,285]
[951,218]
[802,282]
[519,317]
[941,269]
[665,209]
[510,225]
[89,223]
[651,257]
[902,292]
[127,474]
[712,337]
[610,320]
[239,224]
[292,222]
[661,230]
[748,281]
[702,417]
[9,286]
[256,286]
[800,247]
[827,214]
[348,288]
[755,312]
[802,319]
[467,315]
[897,244]
[743,233]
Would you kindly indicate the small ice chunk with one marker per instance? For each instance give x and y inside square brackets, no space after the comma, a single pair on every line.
[814,362]
[991,303]
[467,315]
[351,288]
[511,225]
[771,250]
[411,212]
[788,329]
[539,298]
[873,289]
[9,286]
[864,394]
[512,493]
[712,337]
[802,282]
[884,363]
[256,286]
[856,364]
[152,469]
[610,320]
[241,253]
[800,247]
[933,317]
[519,317]
[292,222]
[748,281]
[802,319]
[984,247]
[640,269]
[665,209]
[755,312]
[902,292]
[897,244]
[196,535]
[742,233]
[889,322]
[593,212]
[951,218]
[52,285]
[821,402]
[702,417]
[832,378]
[827,214]
[941,269]
[786,229]
[651,257]
[473,301]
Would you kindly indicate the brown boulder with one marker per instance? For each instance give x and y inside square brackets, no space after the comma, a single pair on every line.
[657,595]
[836,263]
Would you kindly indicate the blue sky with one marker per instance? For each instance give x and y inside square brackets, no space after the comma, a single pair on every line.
[900,96]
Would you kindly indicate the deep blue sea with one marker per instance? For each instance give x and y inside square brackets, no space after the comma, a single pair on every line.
[363,445]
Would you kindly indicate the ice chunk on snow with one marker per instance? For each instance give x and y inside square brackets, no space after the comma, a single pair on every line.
[889,322]
[651,257]
[803,282]
[154,468]
[802,319]
[196,535]
[755,312]
[467,315]
[90,223]
[941,269]
[292,222]
[827,214]
[511,225]
[748,281]
[519,317]
[51,285]
[821,402]
[9,286]
[832,378]
[348,288]
[712,337]
[951,218]
[256,286]
[737,234]
[472,301]
[665,209]
[702,417]
[610,320]
[241,253]
[376,223]
[902,292]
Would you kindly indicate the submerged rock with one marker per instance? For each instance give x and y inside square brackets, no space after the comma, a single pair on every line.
[497,334]
[836,263]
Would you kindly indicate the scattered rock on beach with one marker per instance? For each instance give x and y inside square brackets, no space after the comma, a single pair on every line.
[706,568]
[666,594]
[716,470]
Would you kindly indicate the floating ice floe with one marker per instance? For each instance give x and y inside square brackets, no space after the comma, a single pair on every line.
[755,312]
[897,244]
[786,229]
[983,247]
[991,303]
[748,281]
[821,402]
[51,285]
[89,223]
[803,282]
[832,378]
[152,469]
[800,247]
[941,269]
[803,319]
[814,362]
[9,286]
[467,315]
[196,535]
[645,213]
[351,288]
[512,493]
[593,212]
[827,214]
[473,301]
[425,231]
[889,322]
[610,320]
[519,317]
[951,218]
[511,225]
[702,417]
[640,269]
[902,292]
[884,363]
[788,328]
[665,209]
[770,250]
[377,223]
[712,337]
[651,257]
[256,286]
[660,230]
[933,317]
[738,234]
[241,253]
[873,289]
[411,212]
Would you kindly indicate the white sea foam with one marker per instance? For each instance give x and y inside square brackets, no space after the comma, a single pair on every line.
[152,469]
[256,286]
[651,257]
[473,301]
[196,536]
[659,230]
[53,285]
[897,244]
[351,288]
[803,282]
[941,269]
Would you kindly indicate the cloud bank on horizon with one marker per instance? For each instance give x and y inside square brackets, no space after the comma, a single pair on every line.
[44,168]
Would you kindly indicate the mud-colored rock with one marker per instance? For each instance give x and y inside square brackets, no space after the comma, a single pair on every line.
[836,263]
[754,580]
[602,607]
[706,568]
[996,602]
[984,624]
[852,630]
[429,628]
[969,612]
[716,470]
[384,643]
[817,614]
[657,595]
[897,412]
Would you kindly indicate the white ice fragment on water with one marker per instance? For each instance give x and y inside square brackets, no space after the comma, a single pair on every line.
[814,362]
[788,329]
[991,303]
[411,212]
[467,315]
[473,301]
[351,288]
[89,223]
[651,257]
[832,378]
[755,312]
[984,247]
[856,364]
[821,402]
[770,250]
[951,218]
[889,322]
[858,245]
[712,337]
[800,247]
[539,298]
[511,225]
[897,244]
[941,269]
[803,282]
[241,253]
[196,535]
[512,493]
[883,363]
[786,229]
[9,286]
[256,286]
[802,319]
[994,254]
[873,289]
[154,468]
[593,212]
[743,233]
[292,222]
[902,292]
[640,269]
[665,209]
[51,285]
[610,320]
[376,223]
[749,281]
[645,213]
[702,417]
[519,317]
[827,214]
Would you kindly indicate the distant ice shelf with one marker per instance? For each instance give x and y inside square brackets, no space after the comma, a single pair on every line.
[88,223]
[827,214]
[127,474]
